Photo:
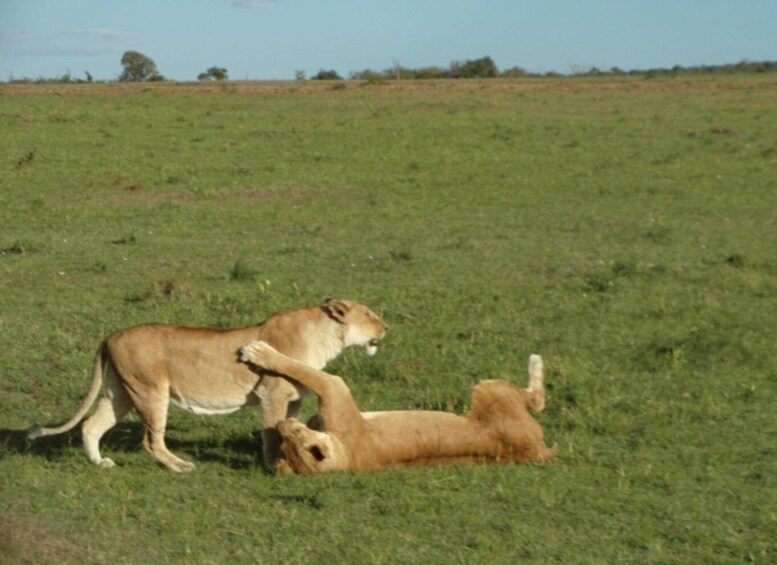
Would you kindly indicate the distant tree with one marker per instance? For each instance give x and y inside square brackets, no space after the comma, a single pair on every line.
[368,75]
[326,75]
[427,73]
[514,72]
[476,68]
[213,73]
[299,75]
[138,68]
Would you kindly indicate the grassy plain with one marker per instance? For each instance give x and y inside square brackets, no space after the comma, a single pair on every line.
[623,228]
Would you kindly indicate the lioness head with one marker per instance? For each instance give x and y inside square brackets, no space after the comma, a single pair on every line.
[310,451]
[362,326]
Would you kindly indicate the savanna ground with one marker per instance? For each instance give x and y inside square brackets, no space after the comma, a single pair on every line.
[623,228]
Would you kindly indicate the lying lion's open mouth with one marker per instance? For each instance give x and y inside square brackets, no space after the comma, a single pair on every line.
[374,342]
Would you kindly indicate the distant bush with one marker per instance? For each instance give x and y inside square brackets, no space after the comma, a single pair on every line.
[368,75]
[486,68]
[514,72]
[326,75]
[138,67]
[214,73]
[476,68]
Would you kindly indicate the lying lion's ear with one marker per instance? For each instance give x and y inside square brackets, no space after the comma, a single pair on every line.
[318,453]
[336,308]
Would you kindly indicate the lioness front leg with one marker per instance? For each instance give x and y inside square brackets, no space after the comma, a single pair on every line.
[274,409]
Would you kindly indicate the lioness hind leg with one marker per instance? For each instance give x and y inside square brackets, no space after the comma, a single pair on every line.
[153,415]
[110,409]
[536,388]
[108,413]
[154,442]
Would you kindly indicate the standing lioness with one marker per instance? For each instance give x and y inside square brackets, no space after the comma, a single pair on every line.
[198,369]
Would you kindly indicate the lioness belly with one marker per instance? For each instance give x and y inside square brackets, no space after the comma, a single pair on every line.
[209,405]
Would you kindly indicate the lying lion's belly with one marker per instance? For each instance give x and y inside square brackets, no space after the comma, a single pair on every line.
[373,415]
[211,405]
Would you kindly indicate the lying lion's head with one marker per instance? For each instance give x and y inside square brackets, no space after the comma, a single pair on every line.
[362,326]
[309,451]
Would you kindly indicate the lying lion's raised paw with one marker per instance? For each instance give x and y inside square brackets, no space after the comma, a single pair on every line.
[257,353]
[245,352]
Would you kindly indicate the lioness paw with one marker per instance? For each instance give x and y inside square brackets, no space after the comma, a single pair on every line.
[246,350]
[106,463]
[257,352]
[183,467]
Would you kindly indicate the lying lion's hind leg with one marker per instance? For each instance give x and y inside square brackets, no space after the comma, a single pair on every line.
[110,410]
[154,419]
[536,390]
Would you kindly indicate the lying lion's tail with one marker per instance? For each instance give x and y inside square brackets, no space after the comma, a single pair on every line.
[37,431]
[536,383]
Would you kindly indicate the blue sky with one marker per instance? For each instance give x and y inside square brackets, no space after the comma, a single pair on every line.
[271,39]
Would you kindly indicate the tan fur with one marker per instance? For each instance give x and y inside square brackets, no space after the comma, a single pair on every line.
[498,426]
[145,367]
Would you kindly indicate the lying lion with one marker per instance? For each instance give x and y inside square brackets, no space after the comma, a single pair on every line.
[498,426]
[145,367]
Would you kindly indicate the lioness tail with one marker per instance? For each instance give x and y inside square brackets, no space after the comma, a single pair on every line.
[536,383]
[37,431]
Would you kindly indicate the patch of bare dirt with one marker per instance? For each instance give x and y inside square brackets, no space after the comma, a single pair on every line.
[25,541]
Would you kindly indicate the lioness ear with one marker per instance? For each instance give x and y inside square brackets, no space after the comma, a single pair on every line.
[318,453]
[336,308]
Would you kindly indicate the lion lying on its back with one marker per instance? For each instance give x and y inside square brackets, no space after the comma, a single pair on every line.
[498,426]
[146,367]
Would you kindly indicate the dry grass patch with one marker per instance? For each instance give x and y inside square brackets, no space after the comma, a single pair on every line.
[26,540]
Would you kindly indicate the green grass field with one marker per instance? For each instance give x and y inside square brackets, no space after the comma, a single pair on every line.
[623,228]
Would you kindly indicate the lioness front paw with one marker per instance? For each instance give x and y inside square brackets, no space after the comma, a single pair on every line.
[258,353]
[246,352]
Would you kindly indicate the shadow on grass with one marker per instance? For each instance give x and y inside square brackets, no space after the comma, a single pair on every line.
[234,452]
